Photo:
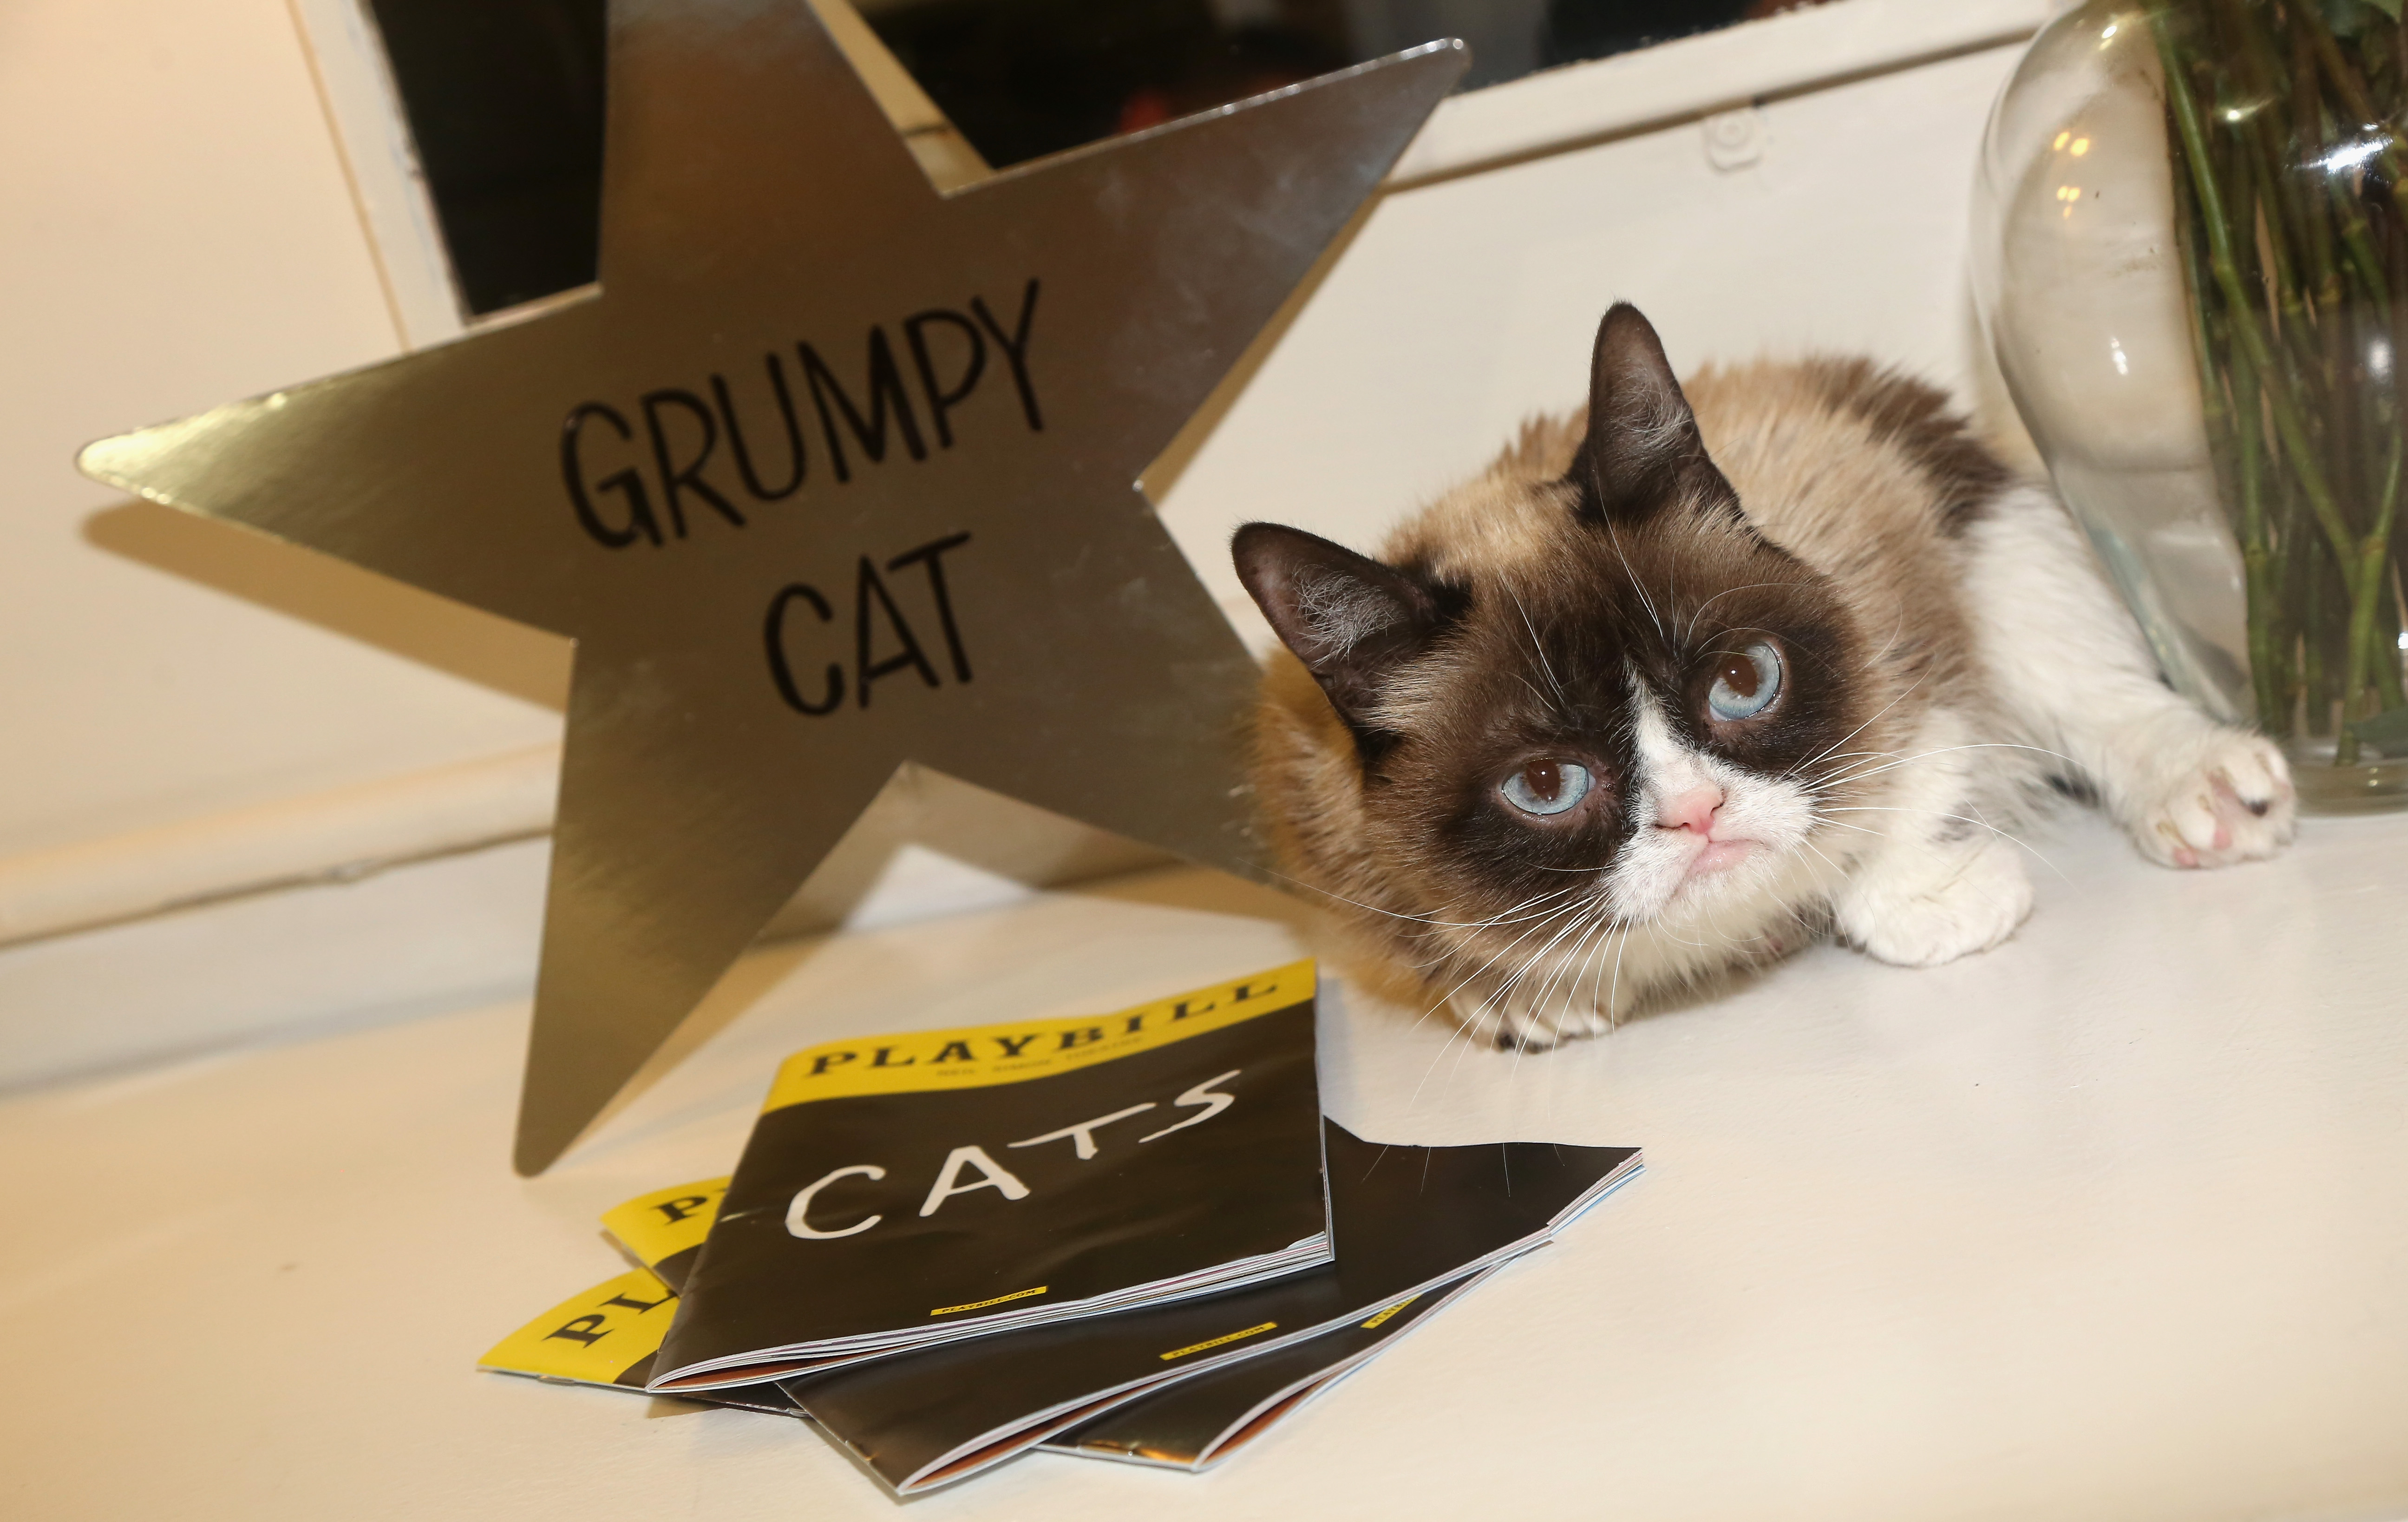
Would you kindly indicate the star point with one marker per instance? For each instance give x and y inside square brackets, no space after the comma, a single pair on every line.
[834,473]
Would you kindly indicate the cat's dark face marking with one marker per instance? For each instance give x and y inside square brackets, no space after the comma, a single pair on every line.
[1603,634]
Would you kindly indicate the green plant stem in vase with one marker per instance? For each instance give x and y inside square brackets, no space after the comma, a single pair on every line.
[2290,201]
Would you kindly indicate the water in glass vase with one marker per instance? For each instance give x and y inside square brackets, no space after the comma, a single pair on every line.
[2193,263]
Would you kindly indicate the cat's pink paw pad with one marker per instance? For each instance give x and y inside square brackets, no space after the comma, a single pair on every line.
[2229,801]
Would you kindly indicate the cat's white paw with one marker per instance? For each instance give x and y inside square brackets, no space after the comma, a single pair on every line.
[1929,908]
[2224,796]
[1504,1021]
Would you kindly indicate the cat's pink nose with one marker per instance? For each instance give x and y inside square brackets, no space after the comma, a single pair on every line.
[1691,811]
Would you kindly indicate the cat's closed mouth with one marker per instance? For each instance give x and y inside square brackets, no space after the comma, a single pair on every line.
[1718,855]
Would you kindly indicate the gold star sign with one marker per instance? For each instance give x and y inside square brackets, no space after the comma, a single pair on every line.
[834,472]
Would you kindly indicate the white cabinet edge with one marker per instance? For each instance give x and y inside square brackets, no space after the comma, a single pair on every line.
[1695,77]
[364,114]
[338,836]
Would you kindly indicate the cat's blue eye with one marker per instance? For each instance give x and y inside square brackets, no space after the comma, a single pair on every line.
[1547,787]
[1746,684]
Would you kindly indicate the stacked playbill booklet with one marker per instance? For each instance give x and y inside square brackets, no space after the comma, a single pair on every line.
[1129,1237]
[911,1190]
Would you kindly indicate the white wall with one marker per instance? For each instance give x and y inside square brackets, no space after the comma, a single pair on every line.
[1469,304]
[195,713]
[177,231]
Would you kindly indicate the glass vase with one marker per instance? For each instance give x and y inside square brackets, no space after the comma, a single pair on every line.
[2191,259]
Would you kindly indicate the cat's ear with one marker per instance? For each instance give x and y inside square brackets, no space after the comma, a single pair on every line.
[1643,451]
[1348,618]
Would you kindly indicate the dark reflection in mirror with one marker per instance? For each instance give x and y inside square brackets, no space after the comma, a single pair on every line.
[504,98]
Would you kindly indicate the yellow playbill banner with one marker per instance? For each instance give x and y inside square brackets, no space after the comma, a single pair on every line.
[972,1056]
[663,1225]
[606,1336]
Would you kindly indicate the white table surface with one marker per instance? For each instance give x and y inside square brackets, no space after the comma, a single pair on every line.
[2112,1222]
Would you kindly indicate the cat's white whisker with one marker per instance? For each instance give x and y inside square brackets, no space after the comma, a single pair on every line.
[1699,612]
[1514,978]
[1501,1000]
[1858,774]
[1613,993]
[1593,970]
[1859,729]
[1568,961]
[1476,974]
[1538,648]
[1838,871]
[1537,1022]
[2014,840]
[1615,538]
[1561,992]
[1514,915]
[1417,919]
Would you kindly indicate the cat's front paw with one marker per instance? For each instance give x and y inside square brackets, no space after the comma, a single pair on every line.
[1507,1022]
[1928,909]
[2223,797]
